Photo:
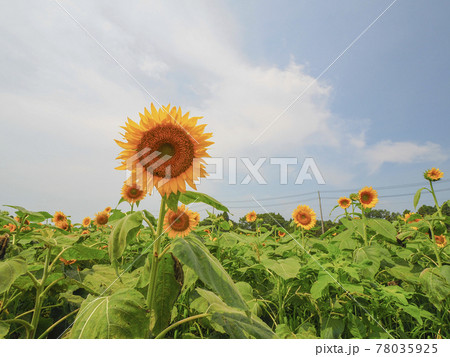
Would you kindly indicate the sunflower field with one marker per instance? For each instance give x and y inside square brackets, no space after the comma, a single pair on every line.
[131,273]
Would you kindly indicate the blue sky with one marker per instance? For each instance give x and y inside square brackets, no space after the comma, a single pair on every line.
[379,116]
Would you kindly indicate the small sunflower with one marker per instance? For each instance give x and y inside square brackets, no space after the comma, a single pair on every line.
[19,219]
[368,197]
[132,193]
[166,150]
[68,262]
[354,197]
[281,234]
[101,218]
[344,202]
[433,174]
[64,225]
[441,241]
[86,222]
[108,209]
[10,226]
[304,217]
[179,223]
[85,232]
[59,217]
[251,216]
[407,217]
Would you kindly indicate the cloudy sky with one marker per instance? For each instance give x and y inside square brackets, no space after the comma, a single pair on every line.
[364,95]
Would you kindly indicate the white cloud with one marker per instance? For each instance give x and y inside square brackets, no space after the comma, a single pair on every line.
[402,153]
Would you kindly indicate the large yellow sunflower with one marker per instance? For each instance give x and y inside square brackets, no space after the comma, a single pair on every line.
[179,223]
[344,202]
[251,216]
[165,150]
[304,216]
[433,174]
[132,193]
[441,241]
[368,197]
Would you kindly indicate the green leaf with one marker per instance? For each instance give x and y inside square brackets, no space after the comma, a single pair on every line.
[195,255]
[4,329]
[172,201]
[435,286]
[190,197]
[285,268]
[417,196]
[121,315]
[31,216]
[102,279]
[403,273]
[81,252]
[10,270]
[150,217]
[55,239]
[169,281]
[332,328]
[323,280]
[356,326]
[234,322]
[414,311]
[383,227]
[395,292]
[124,230]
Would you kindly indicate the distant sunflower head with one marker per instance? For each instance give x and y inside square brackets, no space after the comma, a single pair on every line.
[354,197]
[85,232]
[281,234]
[59,217]
[304,217]
[344,202]
[179,223]
[441,241]
[108,209]
[368,197]
[433,174]
[251,216]
[62,225]
[165,150]
[86,222]
[132,192]
[101,218]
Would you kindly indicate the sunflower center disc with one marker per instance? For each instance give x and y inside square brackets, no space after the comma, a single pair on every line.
[170,147]
[179,222]
[365,198]
[304,219]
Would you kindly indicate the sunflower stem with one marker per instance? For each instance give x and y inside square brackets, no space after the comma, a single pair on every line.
[435,248]
[155,261]
[435,199]
[364,227]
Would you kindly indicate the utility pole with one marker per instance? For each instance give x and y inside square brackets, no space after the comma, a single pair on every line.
[321,215]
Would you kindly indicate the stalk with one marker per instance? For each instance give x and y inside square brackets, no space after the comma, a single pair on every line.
[435,199]
[435,248]
[155,260]
[40,295]
[364,227]
[163,333]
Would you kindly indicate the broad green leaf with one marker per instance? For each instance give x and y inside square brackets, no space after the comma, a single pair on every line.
[55,239]
[332,327]
[10,270]
[31,215]
[323,280]
[191,197]
[403,273]
[195,255]
[234,322]
[285,268]
[395,292]
[81,252]
[383,227]
[150,217]
[417,197]
[414,311]
[4,329]
[435,286]
[124,230]
[356,326]
[103,279]
[224,225]
[246,291]
[172,201]
[115,215]
[169,281]
[353,288]
[121,315]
